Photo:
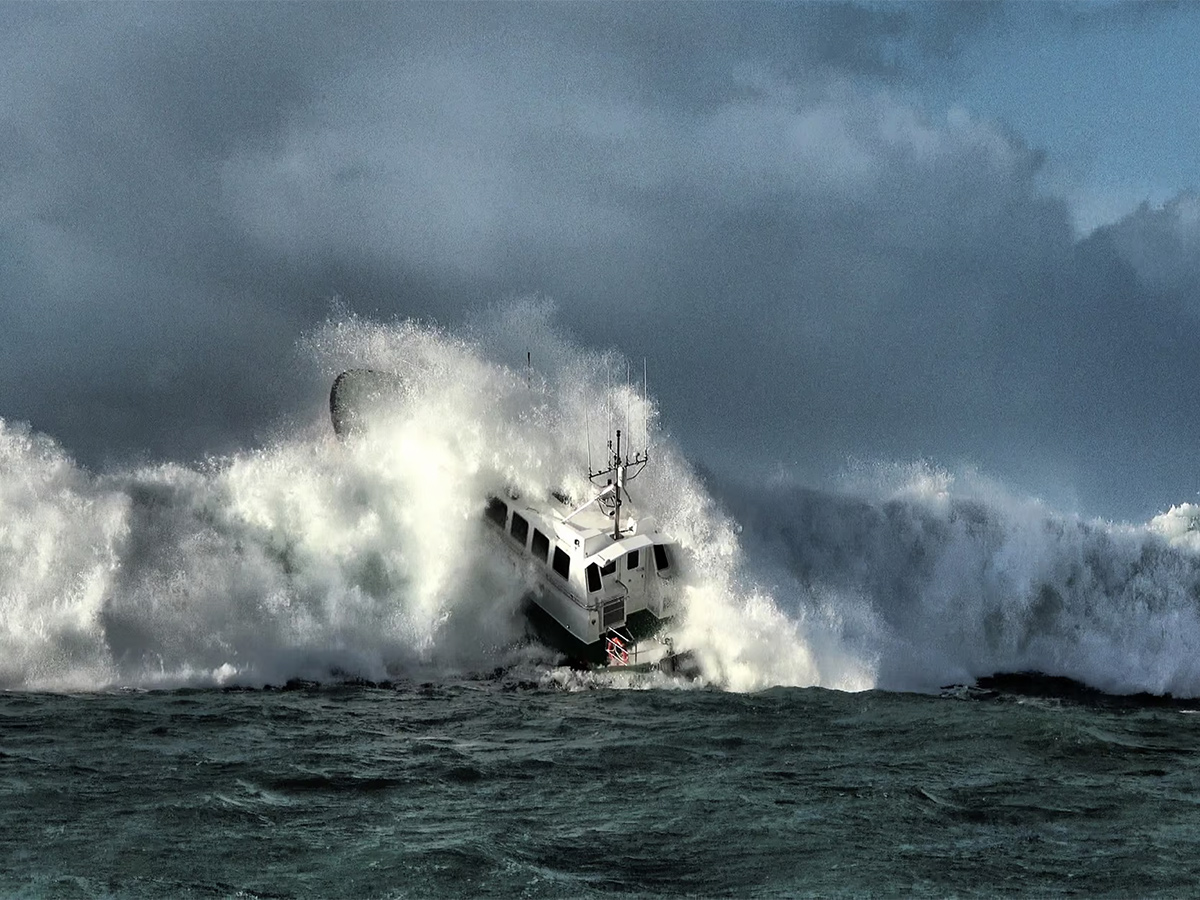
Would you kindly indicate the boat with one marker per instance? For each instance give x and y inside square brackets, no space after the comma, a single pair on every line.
[602,579]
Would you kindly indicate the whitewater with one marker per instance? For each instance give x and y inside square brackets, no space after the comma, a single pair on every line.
[312,558]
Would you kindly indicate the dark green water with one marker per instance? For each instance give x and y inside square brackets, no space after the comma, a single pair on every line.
[498,788]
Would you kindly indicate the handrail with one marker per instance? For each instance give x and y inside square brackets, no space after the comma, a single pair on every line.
[620,646]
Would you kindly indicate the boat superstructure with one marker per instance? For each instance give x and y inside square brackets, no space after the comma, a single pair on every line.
[601,577]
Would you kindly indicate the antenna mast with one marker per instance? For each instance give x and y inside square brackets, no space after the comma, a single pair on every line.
[617,491]
[618,468]
[618,464]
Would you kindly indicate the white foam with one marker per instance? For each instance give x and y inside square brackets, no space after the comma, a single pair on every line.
[944,578]
[1180,525]
[314,557]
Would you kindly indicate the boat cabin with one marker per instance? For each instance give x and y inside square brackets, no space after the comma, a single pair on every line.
[587,579]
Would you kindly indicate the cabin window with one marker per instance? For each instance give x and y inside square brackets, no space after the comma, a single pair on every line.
[562,562]
[520,528]
[540,546]
[661,561]
[609,568]
[631,561]
[593,578]
[497,511]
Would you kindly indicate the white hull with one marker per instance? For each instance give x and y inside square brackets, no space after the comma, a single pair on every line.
[596,586]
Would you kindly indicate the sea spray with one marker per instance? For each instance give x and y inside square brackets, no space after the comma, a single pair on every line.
[312,557]
[318,558]
[946,578]
[60,540]
[308,558]
[539,431]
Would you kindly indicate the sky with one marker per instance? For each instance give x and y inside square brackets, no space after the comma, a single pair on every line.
[840,233]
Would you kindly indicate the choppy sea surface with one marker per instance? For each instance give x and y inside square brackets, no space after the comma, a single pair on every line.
[500,787]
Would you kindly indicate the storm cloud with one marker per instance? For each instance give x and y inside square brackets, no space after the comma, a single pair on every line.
[819,267]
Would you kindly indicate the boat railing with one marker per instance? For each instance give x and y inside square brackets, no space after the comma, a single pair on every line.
[620,647]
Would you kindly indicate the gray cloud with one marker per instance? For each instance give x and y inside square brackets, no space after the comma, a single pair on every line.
[817,268]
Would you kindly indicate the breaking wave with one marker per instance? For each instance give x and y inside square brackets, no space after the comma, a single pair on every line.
[941,579]
[314,558]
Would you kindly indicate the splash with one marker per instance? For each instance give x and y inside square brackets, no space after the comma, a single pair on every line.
[313,557]
[60,540]
[318,558]
[305,559]
[942,578]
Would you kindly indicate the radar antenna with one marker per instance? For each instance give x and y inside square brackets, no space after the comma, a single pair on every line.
[619,468]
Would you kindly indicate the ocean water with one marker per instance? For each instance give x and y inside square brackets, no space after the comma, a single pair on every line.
[299,670]
[496,786]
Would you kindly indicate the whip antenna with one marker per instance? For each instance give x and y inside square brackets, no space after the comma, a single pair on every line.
[608,400]
[645,406]
[628,392]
